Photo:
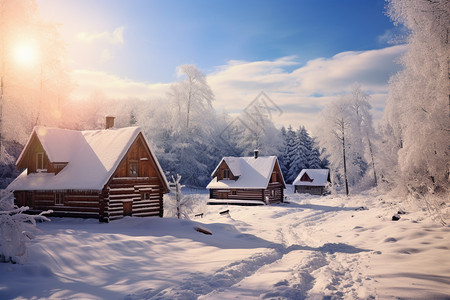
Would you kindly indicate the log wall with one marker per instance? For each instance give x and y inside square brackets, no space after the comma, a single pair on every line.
[251,194]
[313,190]
[63,203]
[144,193]
[243,194]
[274,193]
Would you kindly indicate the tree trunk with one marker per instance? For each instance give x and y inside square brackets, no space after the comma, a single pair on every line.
[373,161]
[343,155]
[189,103]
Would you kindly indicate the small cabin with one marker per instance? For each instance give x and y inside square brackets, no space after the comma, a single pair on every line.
[247,181]
[105,174]
[312,181]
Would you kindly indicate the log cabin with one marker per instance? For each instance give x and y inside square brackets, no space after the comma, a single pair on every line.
[247,181]
[312,181]
[105,174]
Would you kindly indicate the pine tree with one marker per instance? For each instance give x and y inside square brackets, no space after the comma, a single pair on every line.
[282,159]
[313,157]
[291,149]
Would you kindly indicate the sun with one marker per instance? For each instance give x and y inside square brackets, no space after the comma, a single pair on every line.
[25,53]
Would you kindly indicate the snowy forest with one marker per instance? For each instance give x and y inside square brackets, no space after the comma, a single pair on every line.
[407,152]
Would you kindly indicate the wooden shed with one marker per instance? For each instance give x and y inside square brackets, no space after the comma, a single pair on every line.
[104,174]
[311,181]
[247,181]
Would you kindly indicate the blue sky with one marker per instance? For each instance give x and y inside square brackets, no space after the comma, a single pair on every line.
[141,43]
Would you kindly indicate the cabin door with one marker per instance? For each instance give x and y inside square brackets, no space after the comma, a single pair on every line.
[127,208]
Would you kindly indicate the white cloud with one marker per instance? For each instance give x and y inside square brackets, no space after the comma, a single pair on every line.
[301,91]
[115,37]
[114,87]
[106,55]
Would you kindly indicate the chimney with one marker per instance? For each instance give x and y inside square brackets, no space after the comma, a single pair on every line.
[256,153]
[109,122]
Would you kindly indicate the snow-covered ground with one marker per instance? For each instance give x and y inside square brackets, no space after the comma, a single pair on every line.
[312,247]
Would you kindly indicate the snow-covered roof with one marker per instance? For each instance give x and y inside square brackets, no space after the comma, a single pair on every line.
[92,157]
[319,177]
[254,173]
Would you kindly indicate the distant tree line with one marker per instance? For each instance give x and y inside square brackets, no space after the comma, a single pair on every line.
[299,151]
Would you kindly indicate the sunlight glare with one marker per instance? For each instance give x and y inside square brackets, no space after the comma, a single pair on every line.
[26,53]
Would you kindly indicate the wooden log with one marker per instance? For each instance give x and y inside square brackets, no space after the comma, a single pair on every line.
[203,230]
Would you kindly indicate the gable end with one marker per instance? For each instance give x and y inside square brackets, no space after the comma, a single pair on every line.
[139,161]
[33,157]
[223,171]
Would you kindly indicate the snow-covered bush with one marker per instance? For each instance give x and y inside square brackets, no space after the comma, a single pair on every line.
[178,205]
[16,228]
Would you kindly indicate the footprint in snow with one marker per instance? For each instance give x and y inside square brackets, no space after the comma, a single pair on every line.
[390,240]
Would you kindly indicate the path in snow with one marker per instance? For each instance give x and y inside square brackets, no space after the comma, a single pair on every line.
[295,264]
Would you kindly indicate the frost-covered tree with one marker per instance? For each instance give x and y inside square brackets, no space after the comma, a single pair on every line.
[192,96]
[178,205]
[417,109]
[183,132]
[132,121]
[418,103]
[334,135]
[361,109]
[363,132]
[346,132]
[263,136]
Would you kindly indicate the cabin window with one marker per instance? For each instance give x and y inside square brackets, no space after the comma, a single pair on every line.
[233,192]
[272,193]
[145,196]
[59,199]
[226,173]
[133,169]
[40,161]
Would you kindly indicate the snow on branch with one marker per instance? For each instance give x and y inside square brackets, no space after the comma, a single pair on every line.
[16,229]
